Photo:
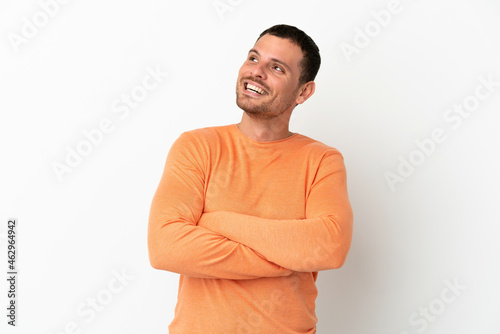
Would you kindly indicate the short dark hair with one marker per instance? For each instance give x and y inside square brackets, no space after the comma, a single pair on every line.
[311,61]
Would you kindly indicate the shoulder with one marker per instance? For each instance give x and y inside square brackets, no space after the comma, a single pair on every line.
[207,134]
[322,158]
[202,142]
[194,146]
[202,138]
[317,148]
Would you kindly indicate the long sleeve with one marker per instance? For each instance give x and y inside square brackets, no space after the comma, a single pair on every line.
[176,243]
[318,242]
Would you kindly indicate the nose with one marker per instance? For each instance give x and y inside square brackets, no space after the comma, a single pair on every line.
[258,71]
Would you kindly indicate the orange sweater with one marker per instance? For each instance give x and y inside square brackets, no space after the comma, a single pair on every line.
[248,224]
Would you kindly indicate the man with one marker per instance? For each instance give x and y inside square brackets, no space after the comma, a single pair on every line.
[249,213]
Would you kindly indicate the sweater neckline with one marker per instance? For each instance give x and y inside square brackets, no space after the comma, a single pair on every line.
[235,126]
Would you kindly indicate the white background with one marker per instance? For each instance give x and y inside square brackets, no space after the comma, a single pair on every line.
[439,225]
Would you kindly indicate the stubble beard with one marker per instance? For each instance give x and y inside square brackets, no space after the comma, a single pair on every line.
[264,110]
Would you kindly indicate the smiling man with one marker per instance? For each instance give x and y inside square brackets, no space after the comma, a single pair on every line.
[248,213]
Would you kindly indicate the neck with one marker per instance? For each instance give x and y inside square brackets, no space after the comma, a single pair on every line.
[264,129]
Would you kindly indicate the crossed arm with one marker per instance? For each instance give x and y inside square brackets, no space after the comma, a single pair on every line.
[177,244]
[319,242]
[231,245]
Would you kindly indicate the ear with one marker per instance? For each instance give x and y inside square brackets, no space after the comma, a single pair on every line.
[305,92]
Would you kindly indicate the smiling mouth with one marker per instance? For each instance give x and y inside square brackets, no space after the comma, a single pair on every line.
[254,89]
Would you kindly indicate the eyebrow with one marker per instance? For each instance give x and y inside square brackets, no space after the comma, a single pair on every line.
[273,59]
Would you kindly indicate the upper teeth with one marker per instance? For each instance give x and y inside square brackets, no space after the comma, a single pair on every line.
[255,88]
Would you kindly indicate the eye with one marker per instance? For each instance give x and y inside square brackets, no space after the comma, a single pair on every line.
[252,58]
[278,68]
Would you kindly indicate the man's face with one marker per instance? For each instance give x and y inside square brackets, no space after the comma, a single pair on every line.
[268,81]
